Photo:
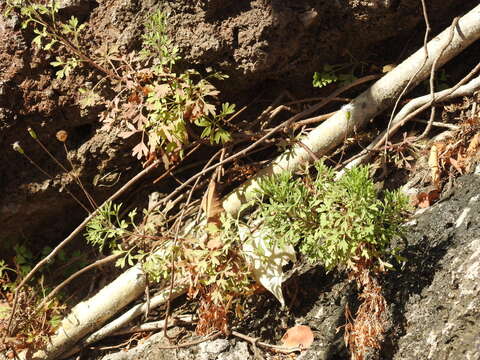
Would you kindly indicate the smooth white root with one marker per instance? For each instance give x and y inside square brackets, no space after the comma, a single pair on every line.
[367,105]
[127,317]
[91,314]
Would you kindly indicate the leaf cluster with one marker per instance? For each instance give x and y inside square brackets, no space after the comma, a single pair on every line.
[107,227]
[334,222]
[169,103]
[165,107]
[222,266]
[332,74]
[218,275]
[43,18]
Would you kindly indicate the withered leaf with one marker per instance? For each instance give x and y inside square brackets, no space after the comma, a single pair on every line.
[425,200]
[162,90]
[140,150]
[212,205]
[298,336]
[474,145]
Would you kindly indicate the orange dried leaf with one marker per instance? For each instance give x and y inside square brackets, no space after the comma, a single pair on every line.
[456,165]
[474,145]
[298,336]
[433,164]
[213,208]
[134,98]
[212,205]
[425,200]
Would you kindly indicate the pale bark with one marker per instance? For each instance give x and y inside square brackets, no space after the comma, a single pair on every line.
[91,314]
[367,105]
[128,316]
[409,108]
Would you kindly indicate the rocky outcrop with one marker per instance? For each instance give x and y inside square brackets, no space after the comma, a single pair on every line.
[434,297]
[440,314]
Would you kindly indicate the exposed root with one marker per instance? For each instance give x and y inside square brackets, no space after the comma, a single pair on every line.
[366,330]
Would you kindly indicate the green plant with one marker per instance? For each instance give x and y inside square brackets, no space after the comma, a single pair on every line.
[331,74]
[341,224]
[43,18]
[29,330]
[169,103]
[107,227]
[157,43]
[5,282]
[334,222]
[218,274]
[151,98]
[24,259]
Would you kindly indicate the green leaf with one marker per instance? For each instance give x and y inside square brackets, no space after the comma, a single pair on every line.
[50,44]
[206,132]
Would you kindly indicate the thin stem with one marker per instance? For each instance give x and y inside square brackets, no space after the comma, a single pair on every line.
[52,178]
[72,235]
[77,180]
[72,173]
[266,136]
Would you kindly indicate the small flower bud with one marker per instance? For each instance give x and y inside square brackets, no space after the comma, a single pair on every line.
[32,133]
[62,135]
[16,146]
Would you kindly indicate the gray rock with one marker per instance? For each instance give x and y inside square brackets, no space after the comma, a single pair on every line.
[215,346]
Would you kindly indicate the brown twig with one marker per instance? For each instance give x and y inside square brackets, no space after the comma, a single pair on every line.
[406,88]
[319,98]
[410,116]
[92,201]
[308,150]
[182,214]
[60,165]
[170,170]
[313,120]
[401,121]
[77,200]
[275,348]
[432,79]
[72,48]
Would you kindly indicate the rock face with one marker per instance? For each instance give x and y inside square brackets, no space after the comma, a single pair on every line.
[434,298]
[441,316]
[257,40]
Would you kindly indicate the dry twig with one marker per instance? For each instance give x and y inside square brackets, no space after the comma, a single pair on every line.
[275,348]
[415,107]
[73,234]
